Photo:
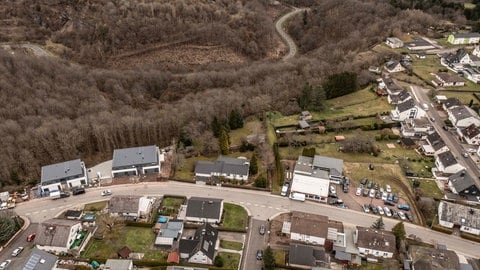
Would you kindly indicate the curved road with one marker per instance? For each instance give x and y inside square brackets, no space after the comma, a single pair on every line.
[260,205]
[285,36]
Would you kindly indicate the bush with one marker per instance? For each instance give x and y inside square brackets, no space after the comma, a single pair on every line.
[439,228]
[218,261]
[260,182]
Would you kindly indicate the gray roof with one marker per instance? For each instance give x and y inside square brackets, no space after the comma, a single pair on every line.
[135,156]
[391,85]
[459,214]
[223,165]
[62,170]
[452,102]
[204,240]
[305,255]
[40,260]
[470,131]
[406,105]
[463,112]
[303,124]
[449,78]
[390,65]
[124,204]
[204,208]
[466,35]
[118,264]
[461,181]
[432,258]
[171,229]
[447,159]
[54,232]
[380,239]
[334,165]
[435,141]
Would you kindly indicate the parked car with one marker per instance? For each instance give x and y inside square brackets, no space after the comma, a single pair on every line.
[378,195]
[409,217]
[382,190]
[387,211]
[401,215]
[380,210]
[5,264]
[345,188]
[375,186]
[358,192]
[384,196]
[390,197]
[374,209]
[106,192]
[405,207]
[387,202]
[395,198]
[259,254]
[394,213]
[365,192]
[332,189]
[364,181]
[372,193]
[31,237]
[366,208]
[262,229]
[17,251]
[78,190]
[388,188]
[369,184]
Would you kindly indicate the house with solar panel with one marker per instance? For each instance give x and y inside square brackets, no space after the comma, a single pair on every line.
[136,161]
[40,260]
[63,176]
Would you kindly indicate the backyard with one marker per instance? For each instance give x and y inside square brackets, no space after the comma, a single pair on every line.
[231,260]
[95,206]
[231,245]
[171,204]
[234,217]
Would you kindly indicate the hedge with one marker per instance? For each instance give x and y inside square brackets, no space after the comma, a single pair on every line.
[442,229]
[470,236]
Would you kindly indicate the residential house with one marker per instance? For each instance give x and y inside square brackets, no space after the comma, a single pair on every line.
[451,103]
[416,127]
[394,66]
[389,84]
[208,210]
[130,206]
[446,163]
[401,97]
[470,134]
[57,235]
[306,257]
[457,215]
[306,115]
[308,228]
[472,74]
[303,124]
[118,264]
[463,38]
[63,175]
[457,60]
[230,168]
[201,248]
[419,44]
[428,258]
[40,260]
[406,110]
[433,144]
[345,249]
[463,116]
[136,161]
[169,233]
[445,79]
[374,242]
[463,184]
[394,42]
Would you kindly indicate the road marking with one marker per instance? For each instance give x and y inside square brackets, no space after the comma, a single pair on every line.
[51,209]
[263,206]
[270,207]
[27,214]
[44,210]
[277,208]
[255,205]
[36,212]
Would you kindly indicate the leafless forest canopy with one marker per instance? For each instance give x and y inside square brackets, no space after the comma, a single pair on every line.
[52,110]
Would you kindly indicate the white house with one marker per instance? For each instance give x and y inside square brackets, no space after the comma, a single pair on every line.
[394,42]
[58,235]
[463,38]
[230,168]
[201,248]
[472,74]
[433,144]
[446,163]
[406,110]
[208,210]
[136,161]
[463,116]
[399,98]
[390,86]
[470,134]
[451,103]
[462,183]
[374,242]
[465,217]
[445,79]
[416,127]
[394,66]
[63,175]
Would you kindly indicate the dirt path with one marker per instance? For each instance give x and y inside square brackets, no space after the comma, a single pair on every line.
[285,36]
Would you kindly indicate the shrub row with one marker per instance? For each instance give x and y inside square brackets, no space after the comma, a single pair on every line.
[442,229]
[470,236]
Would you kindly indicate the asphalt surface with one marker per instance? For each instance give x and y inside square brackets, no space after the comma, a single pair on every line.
[19,241]
[260,205]
[285,36]
[255,242]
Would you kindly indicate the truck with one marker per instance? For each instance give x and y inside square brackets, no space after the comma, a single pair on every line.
[55,194]
[297,196]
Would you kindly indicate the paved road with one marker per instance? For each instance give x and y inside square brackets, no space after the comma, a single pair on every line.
[255,241]
[260,205]
[451,140]
[292,47]
[20,241]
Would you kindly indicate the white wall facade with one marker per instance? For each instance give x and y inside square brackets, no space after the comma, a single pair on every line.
[374,252]
[200,257]
[310,239]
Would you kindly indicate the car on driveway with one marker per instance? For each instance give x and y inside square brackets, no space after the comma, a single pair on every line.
[17,251]
[259,254]
[106,192]
[262,229]
[5,264]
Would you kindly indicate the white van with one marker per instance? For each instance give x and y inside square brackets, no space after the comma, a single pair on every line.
[425,106]
[297,197]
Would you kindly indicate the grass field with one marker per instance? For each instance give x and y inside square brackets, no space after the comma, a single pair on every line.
[231,260]
[250,127]
[231,245]
[430,188]
[170,205]
[464,97]
[96,206]
[279,256]
[234,217]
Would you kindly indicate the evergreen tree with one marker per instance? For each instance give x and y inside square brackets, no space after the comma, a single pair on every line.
[216,127]
[253,164]
[268,259]
[399,231]
[218,261]
[260,182]
[185,139]
[224,141]
[305,98]
[7,228]
[235,120]
[318,100]
[378,224]
[340,84]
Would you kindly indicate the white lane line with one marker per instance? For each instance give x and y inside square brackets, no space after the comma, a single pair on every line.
[44,210]
[27,214]
[270,207]
[255,205]
[276,208]
[36,212]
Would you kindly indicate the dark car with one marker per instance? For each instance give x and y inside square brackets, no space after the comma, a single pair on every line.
[378,195]
[390,197]
[370,184]
[78,190]
[365,192]
[394,213]
[262,229]
[395,198]
[387,202]
[259,254]
[364,181]
[374,209]
[409,217]
[345,188]
[64,194]
[375,186]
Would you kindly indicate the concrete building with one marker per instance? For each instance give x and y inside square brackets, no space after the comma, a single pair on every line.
[394,42]
[446,163]
[136,161]
[463,116]
[40,260]
[63,176]
[462,183]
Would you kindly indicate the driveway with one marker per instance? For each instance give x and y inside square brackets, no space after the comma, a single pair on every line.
[255,241]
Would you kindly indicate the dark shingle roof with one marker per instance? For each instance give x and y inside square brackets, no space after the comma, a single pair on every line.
[204,208]
[204,240]
[391,85]
[471,131]
[301,255]
[124,204]
[461,181]
[406,105]
[452,102]
[463,112]
[40,260]
[223,165]
[135,156]
[54,232]
[309,224]
[62,170]
[447,159]
[435,141]
[466,35]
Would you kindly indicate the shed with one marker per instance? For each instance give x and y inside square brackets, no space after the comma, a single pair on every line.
[339,138]
[124,252]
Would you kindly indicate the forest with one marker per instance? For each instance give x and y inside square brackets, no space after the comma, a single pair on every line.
[56,109]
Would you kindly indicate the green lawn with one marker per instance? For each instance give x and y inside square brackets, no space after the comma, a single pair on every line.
[136,238]
[358,97]
[234,216]
[279,256]
[430,188]
[170,205]
[464,97]
[231,245]
[250,127]
[231,260]
[96,206]
[186,168]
